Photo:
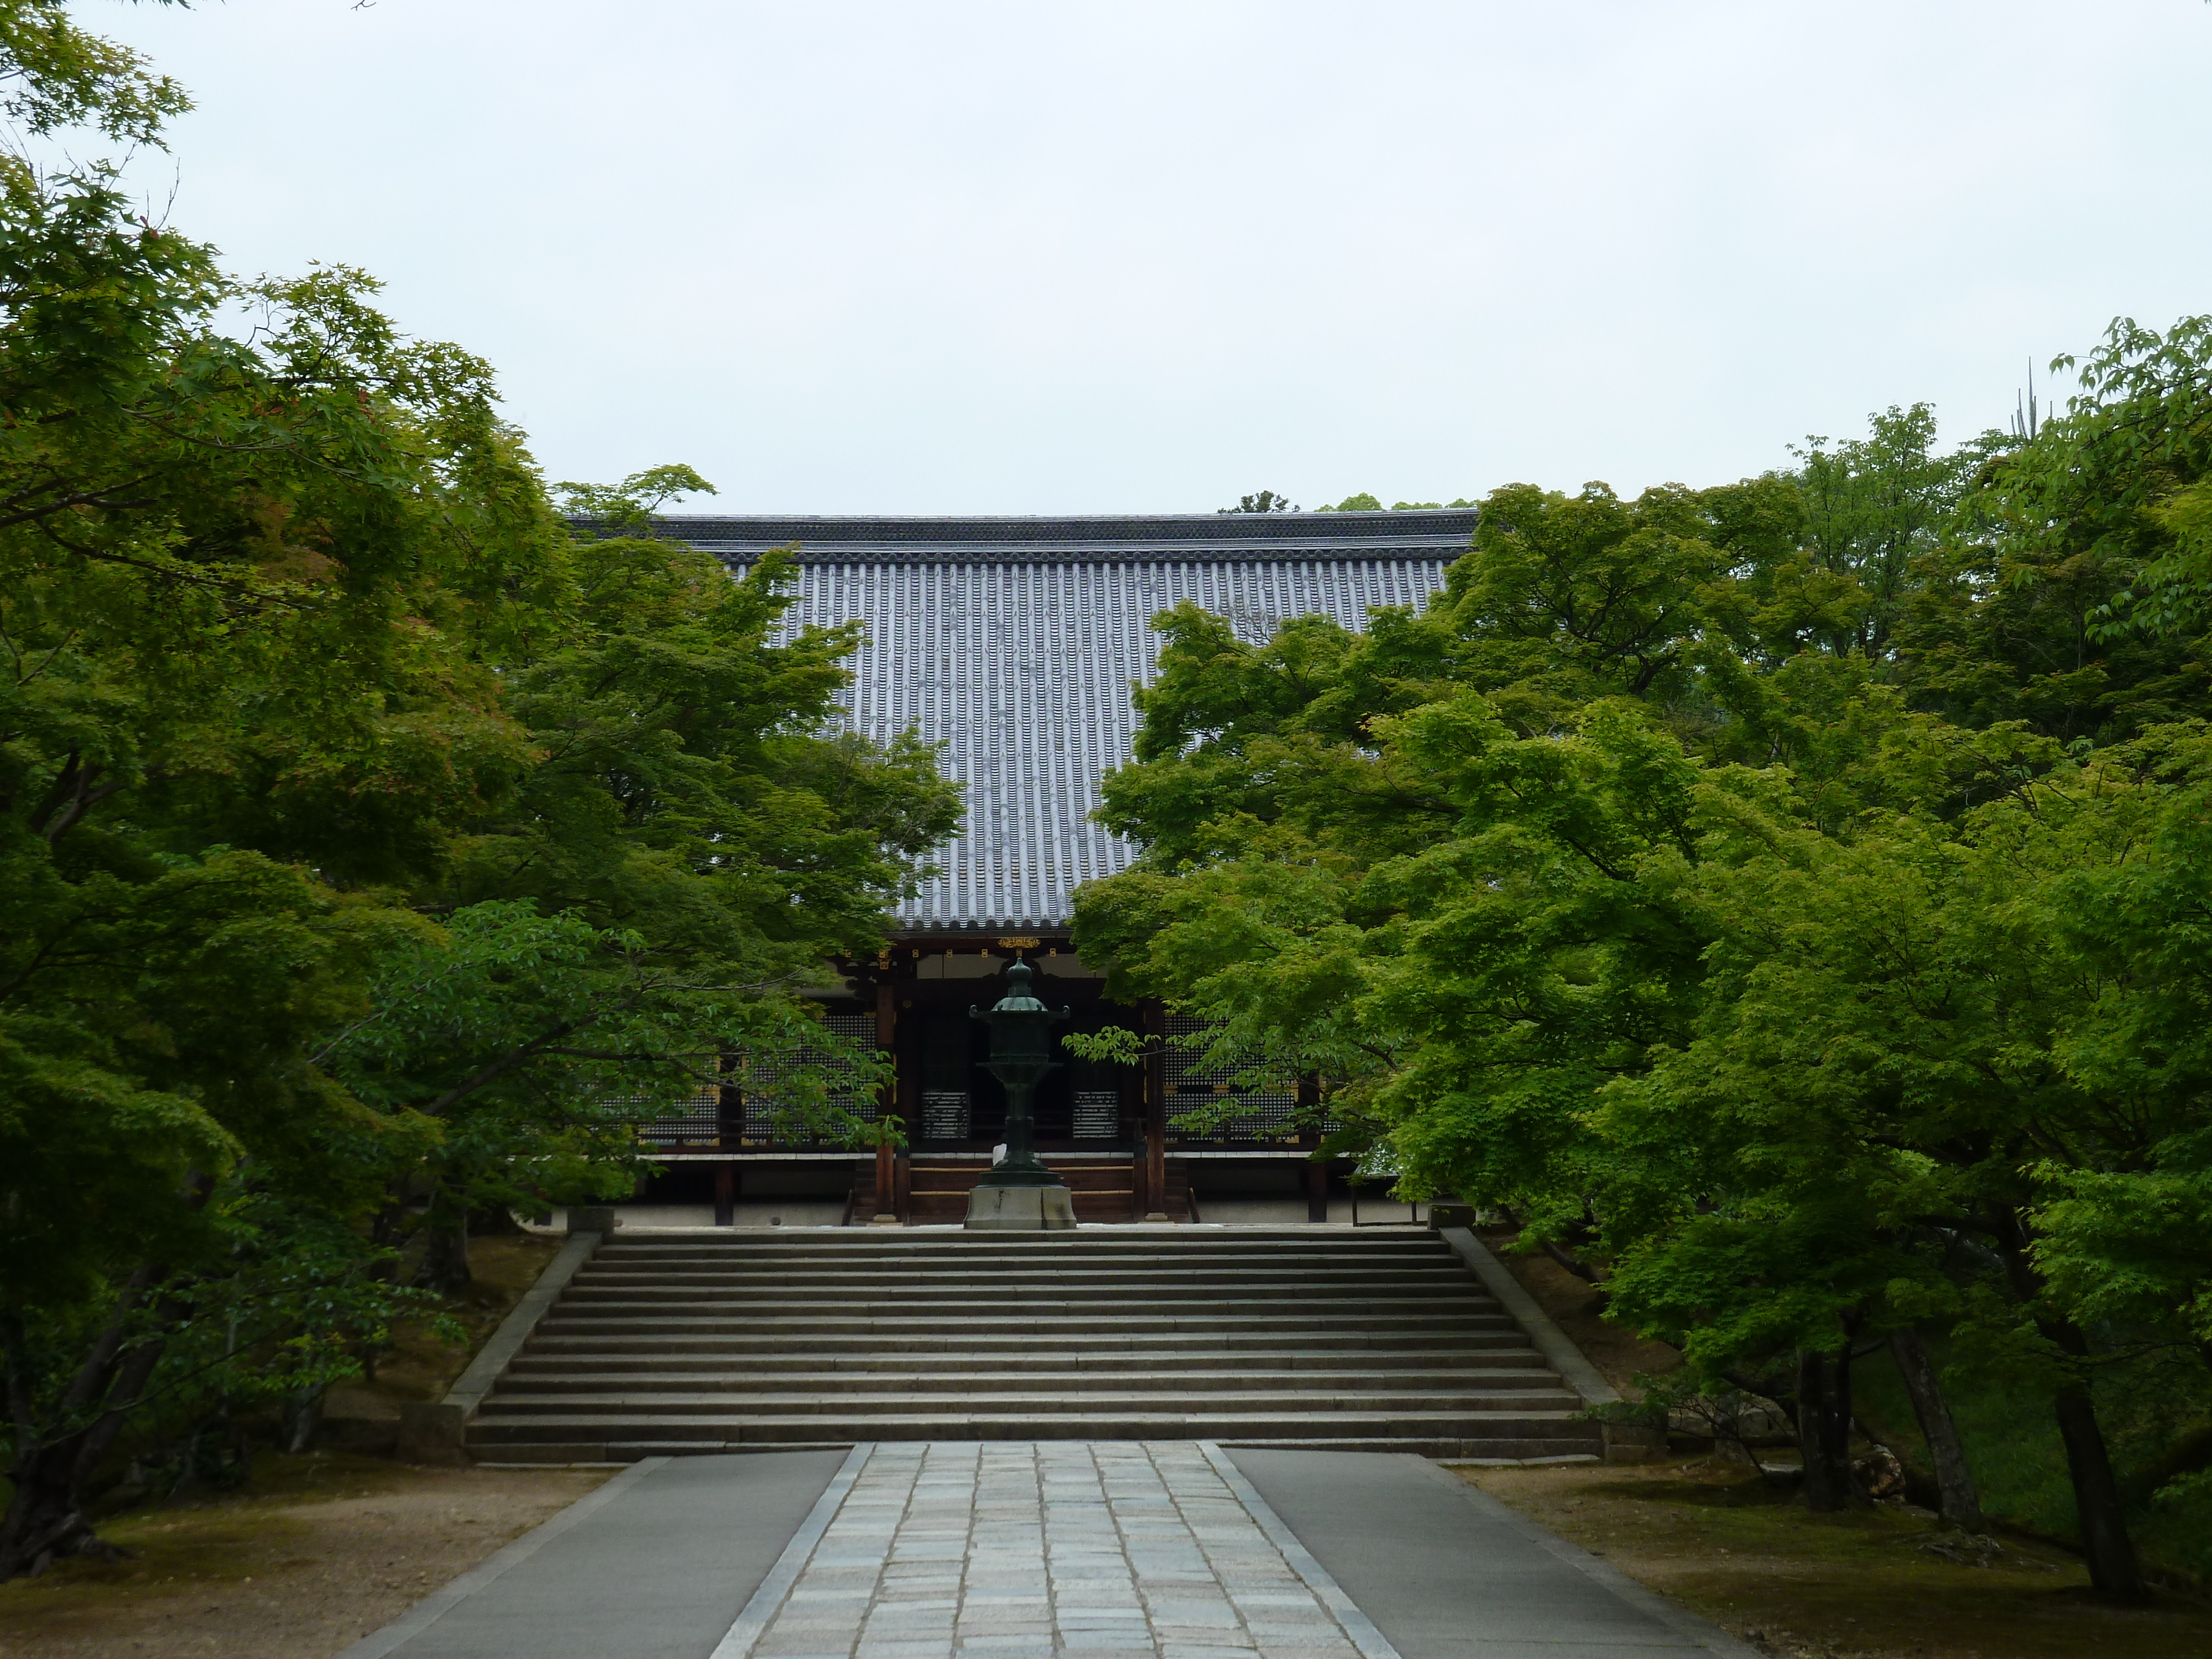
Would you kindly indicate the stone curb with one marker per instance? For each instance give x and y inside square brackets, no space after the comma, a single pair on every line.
[753,1619]
[434,1431]
[1624,1443]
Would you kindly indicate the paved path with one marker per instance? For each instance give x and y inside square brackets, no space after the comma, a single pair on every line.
[1014,1550]
[1097,1551]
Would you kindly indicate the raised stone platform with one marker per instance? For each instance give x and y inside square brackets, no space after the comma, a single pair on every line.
[1020,1210]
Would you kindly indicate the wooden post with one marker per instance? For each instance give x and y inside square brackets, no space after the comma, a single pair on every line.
[725,1194]
[886,1199]
[1316,1191]
[886,1214]
[1155,1115]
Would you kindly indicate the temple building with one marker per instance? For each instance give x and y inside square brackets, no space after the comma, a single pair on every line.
[1014,644]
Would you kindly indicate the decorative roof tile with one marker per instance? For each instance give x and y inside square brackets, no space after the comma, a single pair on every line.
[1015,644]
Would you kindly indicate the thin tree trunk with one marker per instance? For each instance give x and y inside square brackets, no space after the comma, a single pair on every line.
[1957,1499]
[302,1416]
[445,1266]
[1573,1263]
[1824,1426]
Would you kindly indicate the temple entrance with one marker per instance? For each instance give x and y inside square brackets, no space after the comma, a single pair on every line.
[958,1106]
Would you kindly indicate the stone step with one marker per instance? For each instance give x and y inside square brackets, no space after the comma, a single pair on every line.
[1016,1273]
[533,1454]
[1001,1255]
[893,1335]
[912,1246]
[1106,1347]
[640,1405]
[962,1264]
[1024,1362]
[1047,1323]
[979,1313]
[1092,1282]
[1171,1237]
[977,1256]
[1066,1384]
[956,1297]
[503,1428]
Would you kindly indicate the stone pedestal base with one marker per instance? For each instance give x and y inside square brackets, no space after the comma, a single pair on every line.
[1020,1209]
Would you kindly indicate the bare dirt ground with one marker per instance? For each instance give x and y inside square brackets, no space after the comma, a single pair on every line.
[325,1548]
[1711,1535]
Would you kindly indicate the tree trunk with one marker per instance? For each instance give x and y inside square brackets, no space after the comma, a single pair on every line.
[494,1221]
[2113,1569]
[302,1416]
[45,1520]
[1957,1499]
[445,1266]
[1573,1263]
[1824,1426]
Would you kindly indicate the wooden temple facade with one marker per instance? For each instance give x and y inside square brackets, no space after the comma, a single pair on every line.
[1014,643]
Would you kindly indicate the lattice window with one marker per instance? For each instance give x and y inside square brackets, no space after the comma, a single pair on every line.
[696,1119]
[767,1080]
[1193,1086]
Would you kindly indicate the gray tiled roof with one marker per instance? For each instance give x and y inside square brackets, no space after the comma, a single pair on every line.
[1015,643]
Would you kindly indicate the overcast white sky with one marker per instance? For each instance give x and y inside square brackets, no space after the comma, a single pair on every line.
[973,258]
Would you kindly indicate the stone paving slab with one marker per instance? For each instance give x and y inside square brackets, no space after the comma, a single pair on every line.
[1035,1549]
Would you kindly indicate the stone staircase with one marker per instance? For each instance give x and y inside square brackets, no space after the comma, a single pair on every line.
[1319,1337]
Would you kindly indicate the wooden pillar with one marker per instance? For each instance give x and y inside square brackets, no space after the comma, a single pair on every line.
[886,1178]
[1155,1115]
[1316,1191]
[886,1099]
[725,1194]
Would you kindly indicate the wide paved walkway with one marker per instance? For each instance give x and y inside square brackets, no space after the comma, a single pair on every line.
[1014,1550]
